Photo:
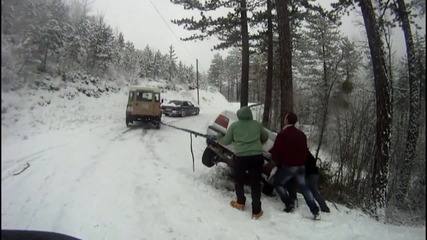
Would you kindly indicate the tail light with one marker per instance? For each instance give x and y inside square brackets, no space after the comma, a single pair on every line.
[222,121]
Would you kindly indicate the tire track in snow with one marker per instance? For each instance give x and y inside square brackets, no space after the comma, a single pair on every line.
[89,181]
[12,166]
[162,164]
[149,140]
[145,177]
[153,168]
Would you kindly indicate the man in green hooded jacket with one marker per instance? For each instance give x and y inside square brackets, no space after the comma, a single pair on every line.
[247,136]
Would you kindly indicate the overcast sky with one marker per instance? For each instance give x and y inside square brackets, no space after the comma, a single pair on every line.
[147,22]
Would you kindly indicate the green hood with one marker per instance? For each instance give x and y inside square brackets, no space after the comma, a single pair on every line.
[244,113]
[247,135]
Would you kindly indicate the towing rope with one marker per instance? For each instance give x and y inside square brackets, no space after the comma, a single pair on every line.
[191,148]
[191,136]
[184,129]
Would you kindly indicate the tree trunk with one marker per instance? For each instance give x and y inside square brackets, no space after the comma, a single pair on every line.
[325,69]
[237,90]
[324,116]
[229,89]
[414,104]
[245,56]
[285,73]
[325,95]
[269,80]
[384,110]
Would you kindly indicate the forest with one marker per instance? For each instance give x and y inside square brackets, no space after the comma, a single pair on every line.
[365,104]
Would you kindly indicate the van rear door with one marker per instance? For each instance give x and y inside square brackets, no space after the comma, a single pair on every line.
[155,106]
[142,103]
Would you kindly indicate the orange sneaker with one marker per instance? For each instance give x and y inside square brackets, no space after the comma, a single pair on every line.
[256,216]
[237,205]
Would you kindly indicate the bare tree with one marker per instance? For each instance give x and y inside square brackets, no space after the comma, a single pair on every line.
[384,110]
[414,101]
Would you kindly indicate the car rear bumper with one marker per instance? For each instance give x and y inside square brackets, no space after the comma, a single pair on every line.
[172,112]
[145,118]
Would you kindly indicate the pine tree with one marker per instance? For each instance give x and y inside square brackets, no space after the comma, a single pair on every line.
[320,61]
[216,69]
[257,77]
[118,50]
[231,30]
[7,16]
[100,47]
[232,64]
[49,31]
[157,64]
[130,60]
[74,50]
[147,62]
[350,64]
[171,62]
[190,76]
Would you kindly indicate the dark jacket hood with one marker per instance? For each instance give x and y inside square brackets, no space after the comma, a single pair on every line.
[244,113]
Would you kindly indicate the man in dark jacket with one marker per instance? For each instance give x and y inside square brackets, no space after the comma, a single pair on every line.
[247,136]
[290,153]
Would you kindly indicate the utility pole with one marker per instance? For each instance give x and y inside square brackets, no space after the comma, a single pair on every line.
[197,80]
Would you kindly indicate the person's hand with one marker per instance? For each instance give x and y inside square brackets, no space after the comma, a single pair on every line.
[211,139]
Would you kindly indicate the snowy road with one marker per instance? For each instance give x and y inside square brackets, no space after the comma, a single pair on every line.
[91,177]
[103,177]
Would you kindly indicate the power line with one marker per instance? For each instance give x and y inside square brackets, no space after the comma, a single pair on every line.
[171,30]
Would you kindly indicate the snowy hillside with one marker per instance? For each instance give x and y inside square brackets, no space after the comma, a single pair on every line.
[91,177]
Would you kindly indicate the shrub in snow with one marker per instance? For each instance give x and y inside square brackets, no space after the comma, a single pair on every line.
[69,93]
[9,80]
[88,85]
[43,102]
[48,83]
[211,89]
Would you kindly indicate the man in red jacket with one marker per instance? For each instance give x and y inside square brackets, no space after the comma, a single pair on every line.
[289,152]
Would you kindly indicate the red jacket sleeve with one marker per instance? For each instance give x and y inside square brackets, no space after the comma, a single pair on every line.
[276,149]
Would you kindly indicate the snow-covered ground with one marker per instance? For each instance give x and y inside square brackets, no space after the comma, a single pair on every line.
[91,177]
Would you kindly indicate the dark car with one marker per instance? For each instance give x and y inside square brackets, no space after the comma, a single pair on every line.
[179,108]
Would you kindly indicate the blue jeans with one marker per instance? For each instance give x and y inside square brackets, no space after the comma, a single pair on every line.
[313,185]
[283,175]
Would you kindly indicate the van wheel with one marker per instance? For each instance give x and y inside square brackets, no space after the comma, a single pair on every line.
[208,157]
[128,123]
